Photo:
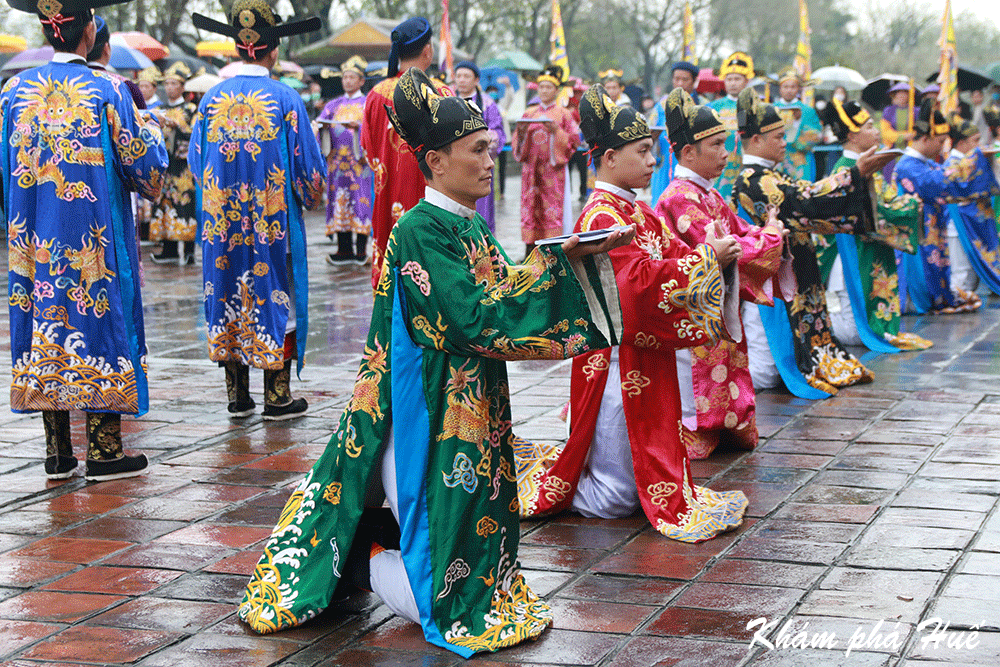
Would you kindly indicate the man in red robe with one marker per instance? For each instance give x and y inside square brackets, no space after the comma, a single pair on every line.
[624,449]
[399,185]
[717,396]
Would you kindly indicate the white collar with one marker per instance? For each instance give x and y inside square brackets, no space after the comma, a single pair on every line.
[172,103]
[753,159]
[628,195]
[251,69]
[443,201]
[545,108]
[154,98]
[355,95]
[66,58]
[730,97]
[958,154]
[680,171]
[851,155]
[97,64]
[913,152]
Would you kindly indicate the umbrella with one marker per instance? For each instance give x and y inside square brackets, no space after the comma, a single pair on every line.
[874,92]
[488,77]
[12,44]
[197,65]
[515,60]
[201,83]
[288,67]
[292,82]
[968,78]
[142,42]
[828,78]
[28,59]
[125,57]
[218,49]
[708,82]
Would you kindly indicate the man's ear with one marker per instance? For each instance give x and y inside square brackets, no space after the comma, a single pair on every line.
[609,157]
[435,162]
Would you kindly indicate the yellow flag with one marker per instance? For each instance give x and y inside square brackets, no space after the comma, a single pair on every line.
[557,56]
[948,75]
[689,36]
[803,53]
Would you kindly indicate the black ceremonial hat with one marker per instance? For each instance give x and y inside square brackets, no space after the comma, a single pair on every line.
[688,123]
[255,26]
[427,121]
[755,117]
[605,125]
[962,128]
[845,117]
[50,8]
[930,120]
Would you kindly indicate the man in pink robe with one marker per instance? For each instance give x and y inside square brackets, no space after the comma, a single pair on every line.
[543,143]
[717,395]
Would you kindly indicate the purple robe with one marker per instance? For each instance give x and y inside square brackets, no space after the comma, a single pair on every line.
[486,206]
[349,185]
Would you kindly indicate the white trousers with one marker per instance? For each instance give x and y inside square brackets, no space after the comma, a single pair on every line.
[763,370]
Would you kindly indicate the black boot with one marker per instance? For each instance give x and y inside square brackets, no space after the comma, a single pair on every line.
[168,255]
[344,254]
[278,403]
[377,527]
[361,249]
[59,459]
[105,458]
[238,389]
[187,254]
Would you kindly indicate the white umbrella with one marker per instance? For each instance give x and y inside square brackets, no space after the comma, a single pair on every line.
[828,78]
[202,83]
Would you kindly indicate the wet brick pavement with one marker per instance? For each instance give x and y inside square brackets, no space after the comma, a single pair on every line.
[878,505]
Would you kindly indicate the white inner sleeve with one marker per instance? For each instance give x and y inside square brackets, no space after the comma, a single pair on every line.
[685,380]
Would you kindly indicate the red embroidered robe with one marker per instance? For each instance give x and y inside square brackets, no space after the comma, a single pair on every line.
[399,184]
[723,391]
[671,296]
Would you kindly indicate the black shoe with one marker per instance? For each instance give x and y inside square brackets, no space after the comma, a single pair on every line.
[339,260]
[238,411]
[60,467]
[164,259]
[361,260]
[187,261]
[296,408]
[125,466]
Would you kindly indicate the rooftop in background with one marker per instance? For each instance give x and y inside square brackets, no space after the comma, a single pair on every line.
[369,38]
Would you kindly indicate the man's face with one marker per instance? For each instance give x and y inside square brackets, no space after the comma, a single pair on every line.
[707,157]
[683,79]
[352,82]
[771,145]
[468,169]
[789,89]
[465,81]
[966,145]
[547,92]
[147,89]
[977,97]
[614,89]
[735,83]
[633,164]
[174,88]
[900,98]
[868,136]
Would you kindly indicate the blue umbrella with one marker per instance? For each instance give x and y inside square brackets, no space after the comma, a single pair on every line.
[488,77]
[125,57]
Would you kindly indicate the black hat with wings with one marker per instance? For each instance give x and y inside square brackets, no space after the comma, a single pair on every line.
[255,26]
[605,125]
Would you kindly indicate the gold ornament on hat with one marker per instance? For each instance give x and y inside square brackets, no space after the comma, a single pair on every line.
[49,8]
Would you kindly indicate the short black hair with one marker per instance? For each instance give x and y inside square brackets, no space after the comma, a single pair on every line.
[70,33]
[425,170]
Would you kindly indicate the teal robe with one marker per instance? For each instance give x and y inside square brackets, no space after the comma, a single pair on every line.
[726,107]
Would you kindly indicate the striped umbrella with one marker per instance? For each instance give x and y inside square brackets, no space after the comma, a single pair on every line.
[125,57]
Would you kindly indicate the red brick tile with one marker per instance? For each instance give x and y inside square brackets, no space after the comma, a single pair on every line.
[26,572]
[186,557]
[827,512]
[208,650]
[82,502]
[123,529]
[151,613]
[364,656]
[15,635]
[635,590]
[692,622]
[23,522]
[70,549]
[763,573]
[579,537]
[171,509]
[672,567]
[678,652]
[111,580]
[243,563]
[51,606]
[210,459]
[757,600]
[205,534]
[226,493]
[593,616]
[295,462]
[94,644]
